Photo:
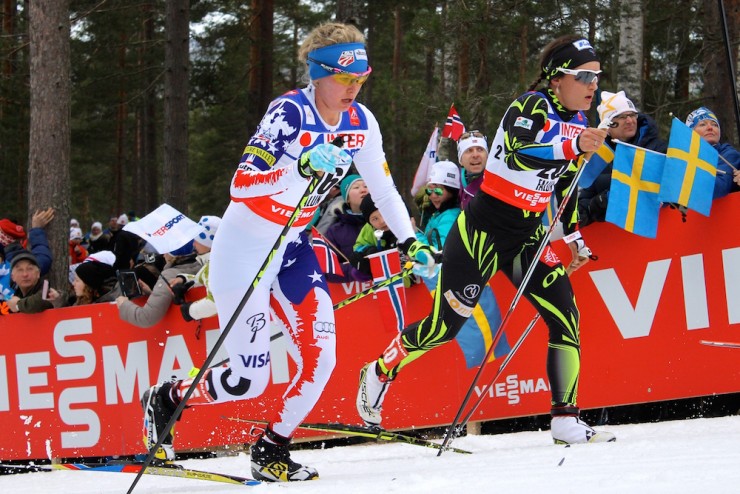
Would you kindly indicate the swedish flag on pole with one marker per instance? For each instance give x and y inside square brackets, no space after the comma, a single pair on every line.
[690,170]
[633,197]
[599,160]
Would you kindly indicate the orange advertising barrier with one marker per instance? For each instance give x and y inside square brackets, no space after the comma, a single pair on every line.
[70,379]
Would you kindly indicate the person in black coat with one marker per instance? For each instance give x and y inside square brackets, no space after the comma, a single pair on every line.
[631,127]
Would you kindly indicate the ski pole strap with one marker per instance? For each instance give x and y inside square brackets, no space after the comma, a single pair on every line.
[381,284]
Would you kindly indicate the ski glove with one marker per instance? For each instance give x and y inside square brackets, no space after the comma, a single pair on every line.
[583,250]
[179,291]
[323,158]
[423,256]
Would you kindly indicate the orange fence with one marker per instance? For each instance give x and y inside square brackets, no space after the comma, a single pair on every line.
[70,379]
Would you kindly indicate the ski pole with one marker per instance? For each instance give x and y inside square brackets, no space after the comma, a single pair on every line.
[206,364]
[505,363]
[455,428]
[369,291]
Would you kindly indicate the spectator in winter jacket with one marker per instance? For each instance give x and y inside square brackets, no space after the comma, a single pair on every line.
[125,245]
[77,252]
[443,189]
[375,236]
[26,275]
[34,240]
[203,307]
[342,234]
[94,281]
[629,126]
[472,153]
[97,240]
[188,259]
[704,122]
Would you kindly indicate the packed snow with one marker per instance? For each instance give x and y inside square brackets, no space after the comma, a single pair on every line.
[684,456]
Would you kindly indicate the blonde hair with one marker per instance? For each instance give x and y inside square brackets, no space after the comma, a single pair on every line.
[330,33]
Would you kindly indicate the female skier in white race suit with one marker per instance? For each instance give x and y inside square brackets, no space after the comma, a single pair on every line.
[290,147]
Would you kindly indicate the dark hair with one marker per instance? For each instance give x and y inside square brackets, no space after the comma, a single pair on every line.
[452,202]
[547,55]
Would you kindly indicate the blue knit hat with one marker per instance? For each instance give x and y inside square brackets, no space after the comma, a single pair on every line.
[701,113]
[186,249]
[347,184]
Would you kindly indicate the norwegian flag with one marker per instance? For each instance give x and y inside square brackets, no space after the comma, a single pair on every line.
[391,299]
[328,260]
[454,127]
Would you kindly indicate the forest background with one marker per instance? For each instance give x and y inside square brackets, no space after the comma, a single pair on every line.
[110,106]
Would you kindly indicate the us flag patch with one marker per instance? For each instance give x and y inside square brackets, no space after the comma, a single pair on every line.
[346,58]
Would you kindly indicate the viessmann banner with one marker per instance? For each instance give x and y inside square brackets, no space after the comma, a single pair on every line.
[70,379]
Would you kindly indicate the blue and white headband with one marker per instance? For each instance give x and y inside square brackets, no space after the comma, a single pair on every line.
[346,57]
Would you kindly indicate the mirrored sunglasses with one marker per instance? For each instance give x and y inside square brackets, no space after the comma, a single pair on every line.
[343,76]
[583,76]
[471,133]
[436,190]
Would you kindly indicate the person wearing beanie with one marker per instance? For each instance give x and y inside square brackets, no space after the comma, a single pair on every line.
[93,280]
[180,265]
[205,306]
[97,239]
[342,234]
[375,236]
[28,296]
[11,232]
[333,205]
[472,154]
[541,136]
[704,122]
[443,189]
[77,252]
[627,125]
[124,244]
[34,239]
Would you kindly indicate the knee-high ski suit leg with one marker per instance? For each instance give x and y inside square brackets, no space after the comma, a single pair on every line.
[471,258]
[301,301]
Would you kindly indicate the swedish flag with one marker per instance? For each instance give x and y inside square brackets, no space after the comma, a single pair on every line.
[690,170]
[633,197]
[477,334]
[599,160]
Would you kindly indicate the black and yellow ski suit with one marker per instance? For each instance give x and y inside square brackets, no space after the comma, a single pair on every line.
[532,158]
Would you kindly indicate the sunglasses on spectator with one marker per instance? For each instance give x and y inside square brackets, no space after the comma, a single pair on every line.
[436,190]
[471,133]
[583,76]
[625,116]
[344,77]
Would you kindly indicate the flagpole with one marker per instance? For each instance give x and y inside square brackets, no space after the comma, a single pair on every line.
[730,65]
[638,147]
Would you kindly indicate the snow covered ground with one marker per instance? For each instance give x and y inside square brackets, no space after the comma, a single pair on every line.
[686,456]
